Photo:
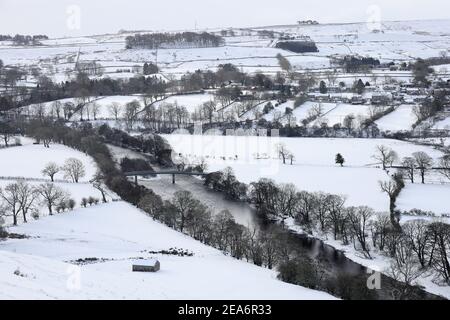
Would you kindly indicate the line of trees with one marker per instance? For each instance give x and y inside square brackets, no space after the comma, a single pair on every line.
[173,40]
[81,87]
[73,169]
[21,198]
[297,46]
[367,230]
[24,40]
[357,64]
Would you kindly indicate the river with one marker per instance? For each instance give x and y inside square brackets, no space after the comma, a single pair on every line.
[332,260]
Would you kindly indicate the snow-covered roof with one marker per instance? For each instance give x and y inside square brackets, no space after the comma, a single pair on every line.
[146,262]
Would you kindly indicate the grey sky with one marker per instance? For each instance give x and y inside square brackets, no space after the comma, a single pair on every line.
[108,16]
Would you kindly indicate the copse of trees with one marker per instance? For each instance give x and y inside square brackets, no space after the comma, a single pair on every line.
[74,169]
[284,63]
[150,68]
[353,64]
[225,74]
[297,46]
[24,40]
[173,40]
[154,145]
[421,71]
[129,165]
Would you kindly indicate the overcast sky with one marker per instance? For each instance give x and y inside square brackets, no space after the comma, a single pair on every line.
[60,17]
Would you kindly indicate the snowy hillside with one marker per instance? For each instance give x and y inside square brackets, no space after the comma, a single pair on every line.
[44,264]
[399,41]
[117,234]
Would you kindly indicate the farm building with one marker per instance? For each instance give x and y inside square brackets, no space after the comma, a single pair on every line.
[150,265]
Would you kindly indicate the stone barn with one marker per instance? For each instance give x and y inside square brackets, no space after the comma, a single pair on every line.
[150,265]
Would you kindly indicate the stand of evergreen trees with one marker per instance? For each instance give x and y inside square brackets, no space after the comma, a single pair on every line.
[298,46]
[173,40]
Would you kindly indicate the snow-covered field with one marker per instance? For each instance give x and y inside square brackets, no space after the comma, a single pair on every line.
[443,124]
[340,111]
[314,168]
[191,101]
[428,197]
[121,234]
[399,41]
[402,118]
[28,161]
[42,265]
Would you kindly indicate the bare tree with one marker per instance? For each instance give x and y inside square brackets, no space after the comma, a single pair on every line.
[404,268]
[287,200]
[336,214]
[444,166]
[385,155]
[98,182]
[358,218]
[185,204]
[11,199]
[202,164]
[284,63]
[6,131]
[114,110]
[349,122]
[27,197]
[380,227]
[152,205]
[409,165]
[423,162]
[331,77]
[392,189]
[208,109]
[57,108]
[440,233]
[305,203]
[50,170]
[73,169]
[419,239]
[95,108]
[283,152]
[291,158]
[130,114]
[51,195]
